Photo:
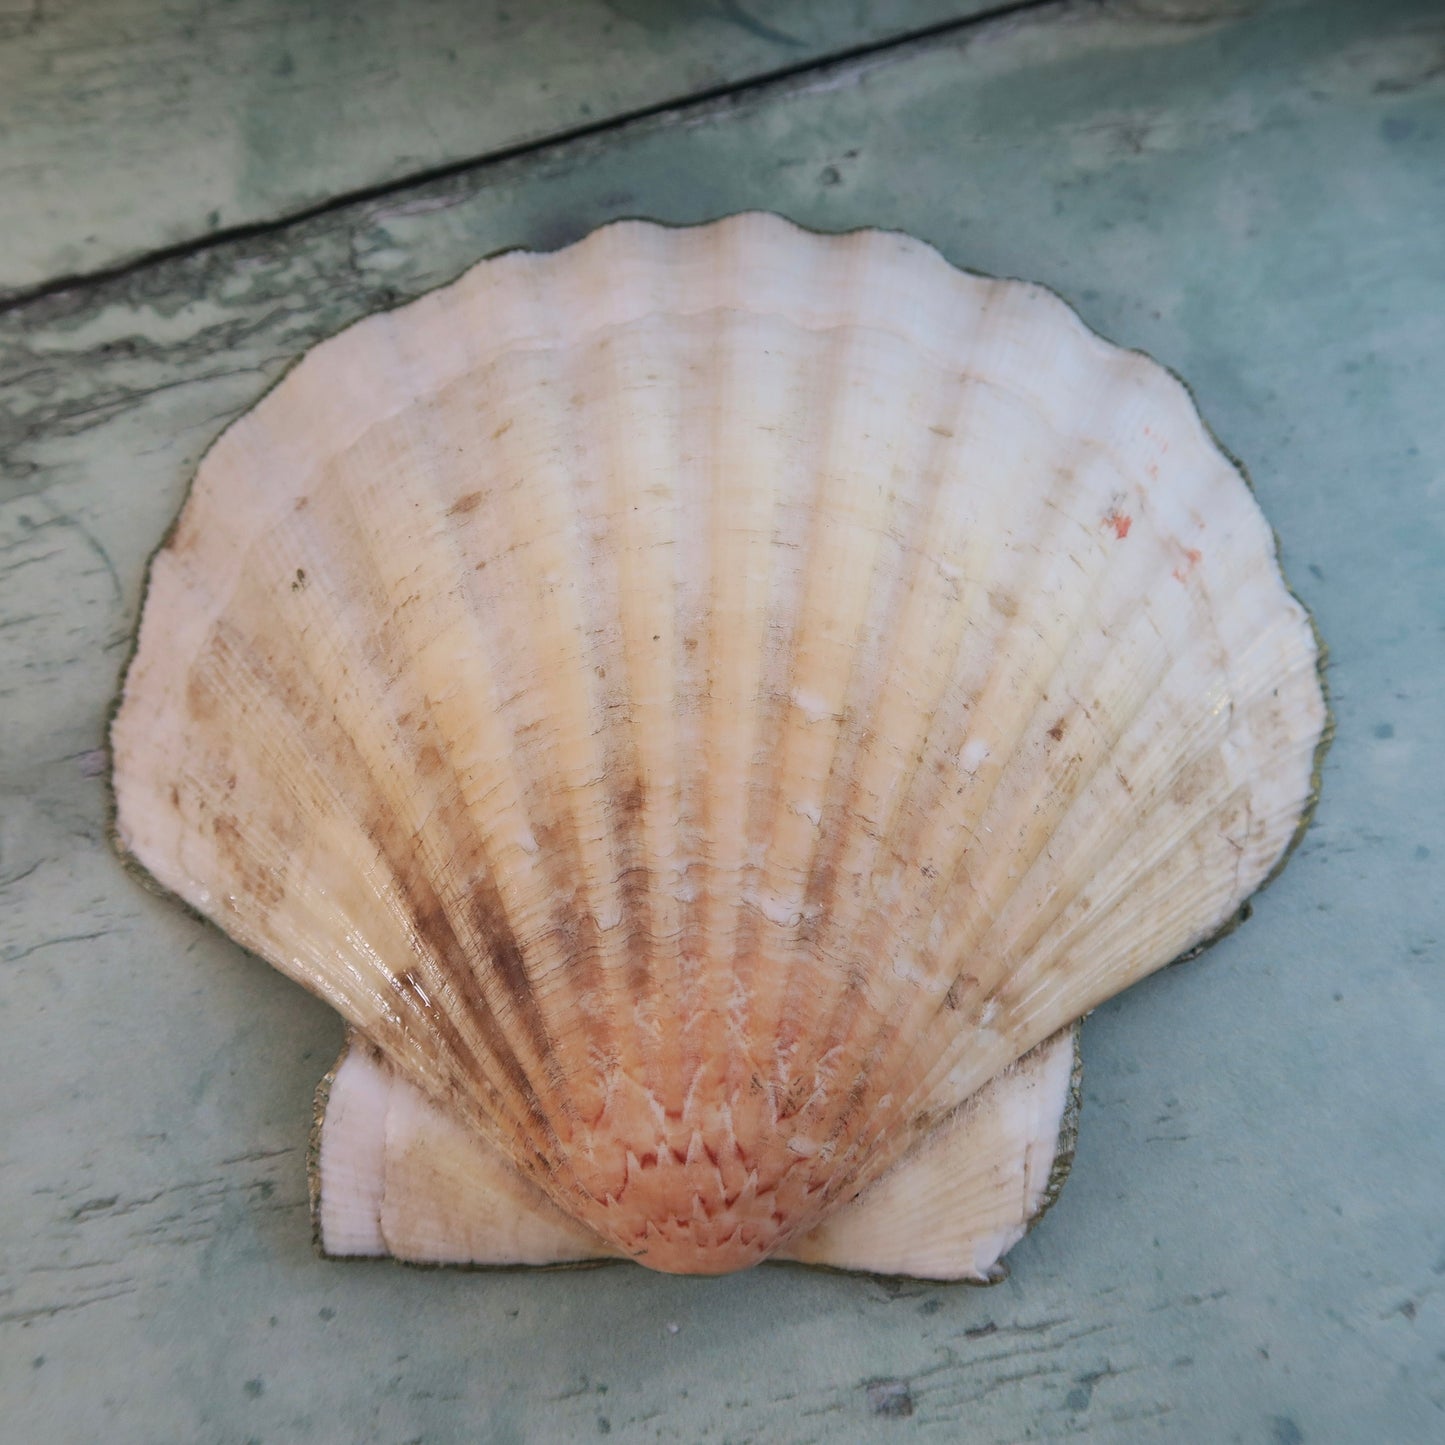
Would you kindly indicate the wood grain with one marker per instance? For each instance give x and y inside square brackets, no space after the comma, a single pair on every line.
[132,125]
[1249,1247]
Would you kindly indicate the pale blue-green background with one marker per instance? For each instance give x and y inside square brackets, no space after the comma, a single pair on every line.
[1252,1246]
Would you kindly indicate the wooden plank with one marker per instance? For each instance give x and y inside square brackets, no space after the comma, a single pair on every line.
[1249,1247]
[131,125]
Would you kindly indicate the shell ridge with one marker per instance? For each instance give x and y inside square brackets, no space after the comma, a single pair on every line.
[642,759]
[595,879]
[1120,920]
[557,870]
[985,1004]
[887,1029]
[1195,736]
[847,1005]
[1080,781]
[744,524]
[879,670]
[1020,734]
[810,733]
[839,915]
[1128,901]
[1105,920]
[797,540]
[243,661]
[458,929]
[633,986]
[489,937]
[703,1000]
[447,929]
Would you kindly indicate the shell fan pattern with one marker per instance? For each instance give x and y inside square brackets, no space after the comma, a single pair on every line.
[712,708]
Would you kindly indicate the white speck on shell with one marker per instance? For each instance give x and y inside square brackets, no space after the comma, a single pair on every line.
[973,755]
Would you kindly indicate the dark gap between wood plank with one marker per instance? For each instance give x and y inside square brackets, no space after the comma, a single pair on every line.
[13,300]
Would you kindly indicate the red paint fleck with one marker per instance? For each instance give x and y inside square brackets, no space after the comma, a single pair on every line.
[1193,556]
[1120,522]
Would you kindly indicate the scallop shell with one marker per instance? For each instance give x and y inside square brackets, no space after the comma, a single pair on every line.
[703,705]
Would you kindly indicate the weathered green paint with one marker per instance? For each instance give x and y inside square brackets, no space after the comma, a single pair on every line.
[1250,1246]
[131,125]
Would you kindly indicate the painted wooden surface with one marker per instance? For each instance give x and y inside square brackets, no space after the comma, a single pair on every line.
[1251,1247]
[130,125]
